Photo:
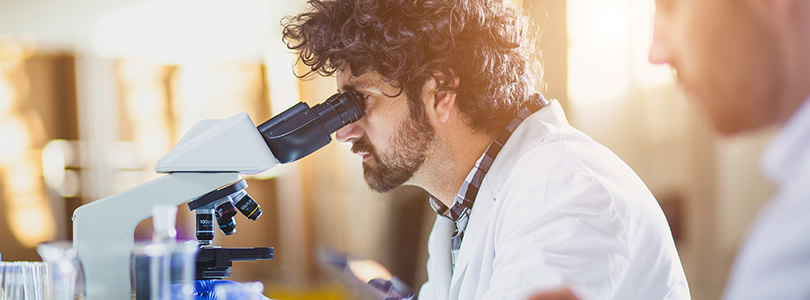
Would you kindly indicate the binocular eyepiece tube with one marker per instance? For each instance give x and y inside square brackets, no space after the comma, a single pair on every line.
[300,130]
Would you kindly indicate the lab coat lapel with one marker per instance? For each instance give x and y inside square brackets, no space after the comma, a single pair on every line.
[440,256]
[473,235]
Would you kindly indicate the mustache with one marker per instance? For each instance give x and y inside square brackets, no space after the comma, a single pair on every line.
[364,145]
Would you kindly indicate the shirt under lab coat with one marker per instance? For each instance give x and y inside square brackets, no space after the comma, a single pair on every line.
[557,208]
[774,261]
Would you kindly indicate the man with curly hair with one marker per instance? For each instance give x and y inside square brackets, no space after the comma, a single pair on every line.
[525,202]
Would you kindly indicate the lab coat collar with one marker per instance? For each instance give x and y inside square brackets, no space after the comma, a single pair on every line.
[789,151]
[553,119]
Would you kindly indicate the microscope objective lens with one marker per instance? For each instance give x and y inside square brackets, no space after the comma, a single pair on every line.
[246,205]
[224,208]
[227,225]
[225,211]
[205,226]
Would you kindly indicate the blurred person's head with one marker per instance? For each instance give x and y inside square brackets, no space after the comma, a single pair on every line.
[419,65]
[747,62]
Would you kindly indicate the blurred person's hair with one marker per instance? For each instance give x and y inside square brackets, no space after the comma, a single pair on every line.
[489,45]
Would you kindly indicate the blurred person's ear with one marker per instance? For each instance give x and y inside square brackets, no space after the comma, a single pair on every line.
[779,10]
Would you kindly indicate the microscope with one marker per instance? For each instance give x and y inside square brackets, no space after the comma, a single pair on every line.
[203,170]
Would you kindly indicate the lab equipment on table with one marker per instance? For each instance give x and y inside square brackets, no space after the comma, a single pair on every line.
[65,276]
[204,168]
[229,290]
[164,267]
[239,291]
[24,280]
[163,270]
[365,277]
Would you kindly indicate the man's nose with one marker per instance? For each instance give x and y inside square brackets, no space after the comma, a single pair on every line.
[349,133]
[660,51]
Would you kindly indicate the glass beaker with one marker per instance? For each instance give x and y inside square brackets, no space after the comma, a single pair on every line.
[24,280]
[66,278]
[163,271]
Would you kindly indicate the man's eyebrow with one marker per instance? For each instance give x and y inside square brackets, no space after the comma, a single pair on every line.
[346,87]
[355,86]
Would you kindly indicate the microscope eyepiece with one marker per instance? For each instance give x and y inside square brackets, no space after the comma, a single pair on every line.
[300,130]
[339,110]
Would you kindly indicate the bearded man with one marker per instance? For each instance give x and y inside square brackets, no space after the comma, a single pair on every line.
[524,201]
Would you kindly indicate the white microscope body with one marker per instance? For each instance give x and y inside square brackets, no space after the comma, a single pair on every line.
[212,155]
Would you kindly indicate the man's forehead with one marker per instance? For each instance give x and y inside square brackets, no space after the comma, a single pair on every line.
[368,80]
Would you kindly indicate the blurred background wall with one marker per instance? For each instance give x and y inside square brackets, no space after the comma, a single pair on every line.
[93,92]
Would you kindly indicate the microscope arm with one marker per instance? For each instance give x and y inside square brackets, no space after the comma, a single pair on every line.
[104,229]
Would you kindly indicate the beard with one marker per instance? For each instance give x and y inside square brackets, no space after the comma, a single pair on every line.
[408,151]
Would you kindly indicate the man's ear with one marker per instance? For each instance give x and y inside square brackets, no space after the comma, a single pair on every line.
[445,97]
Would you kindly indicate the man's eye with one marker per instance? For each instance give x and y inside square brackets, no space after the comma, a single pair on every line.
[363,99]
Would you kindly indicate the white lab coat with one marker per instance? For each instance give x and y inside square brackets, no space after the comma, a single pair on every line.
[557,208]
[774,262]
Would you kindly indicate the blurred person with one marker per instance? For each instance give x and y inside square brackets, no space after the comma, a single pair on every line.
[747,64]
[524,201]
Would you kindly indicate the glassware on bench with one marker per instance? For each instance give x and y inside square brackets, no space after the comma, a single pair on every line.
[24,280]
[163,270]
[65,276]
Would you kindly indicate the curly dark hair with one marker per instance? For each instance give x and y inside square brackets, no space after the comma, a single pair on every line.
[490,46]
